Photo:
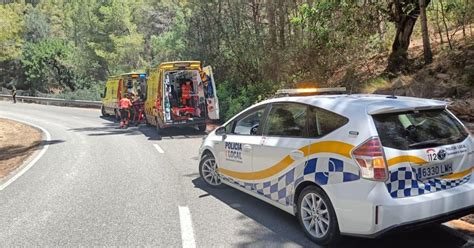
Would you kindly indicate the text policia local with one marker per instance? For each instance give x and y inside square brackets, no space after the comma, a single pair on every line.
[233,151]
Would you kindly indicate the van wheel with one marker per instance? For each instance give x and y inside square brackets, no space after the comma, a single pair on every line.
[145,116]
[202,128]
[102,111]
[317,216]
[159,130]
[208,171]
[117,115]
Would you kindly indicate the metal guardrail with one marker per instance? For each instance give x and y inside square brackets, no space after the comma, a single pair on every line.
[53,101]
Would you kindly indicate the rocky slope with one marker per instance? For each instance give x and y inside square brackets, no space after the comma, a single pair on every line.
[450,77]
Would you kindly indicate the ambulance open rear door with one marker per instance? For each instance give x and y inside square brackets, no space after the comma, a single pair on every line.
[211,100]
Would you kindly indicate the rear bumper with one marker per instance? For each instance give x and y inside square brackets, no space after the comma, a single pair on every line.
[371,212]
[422,222]
[185,123]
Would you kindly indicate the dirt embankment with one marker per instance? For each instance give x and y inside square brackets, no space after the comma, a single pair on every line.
[17,142]
[449,77]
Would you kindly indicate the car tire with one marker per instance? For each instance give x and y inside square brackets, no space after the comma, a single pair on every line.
[202,128]
[145,116]
[117,115]
[317,217]
[208,171]
[159,130]
[102,111]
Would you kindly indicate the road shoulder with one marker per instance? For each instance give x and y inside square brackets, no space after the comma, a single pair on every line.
[19,145]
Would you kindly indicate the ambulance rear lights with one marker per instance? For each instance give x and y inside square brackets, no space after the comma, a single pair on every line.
[370,158]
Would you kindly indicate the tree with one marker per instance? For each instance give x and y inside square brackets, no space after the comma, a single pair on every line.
[44,65]
[404,14]
[37,26]
[424,29]
[11,30]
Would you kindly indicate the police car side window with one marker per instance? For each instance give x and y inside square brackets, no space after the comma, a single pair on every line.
[228,128]
[286,120]
[322,122]
[249,123]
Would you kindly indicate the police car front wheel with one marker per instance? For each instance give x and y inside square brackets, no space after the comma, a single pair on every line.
[208,170]
[317,217]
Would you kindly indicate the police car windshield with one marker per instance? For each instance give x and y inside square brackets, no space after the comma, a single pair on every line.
[420,129]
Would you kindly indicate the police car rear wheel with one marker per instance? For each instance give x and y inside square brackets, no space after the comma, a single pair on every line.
[208,171]
[317,217]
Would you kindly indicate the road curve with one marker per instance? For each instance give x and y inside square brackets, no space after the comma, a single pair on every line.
[99,185]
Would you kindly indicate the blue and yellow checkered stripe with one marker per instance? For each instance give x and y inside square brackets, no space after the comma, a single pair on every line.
[402,182]
[321,171]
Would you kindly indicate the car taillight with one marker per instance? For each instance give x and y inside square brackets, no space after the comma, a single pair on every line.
[370,158]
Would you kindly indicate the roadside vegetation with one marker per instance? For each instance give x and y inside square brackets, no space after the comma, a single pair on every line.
[68,48]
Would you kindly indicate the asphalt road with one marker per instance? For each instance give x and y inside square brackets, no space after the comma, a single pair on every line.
[99,185]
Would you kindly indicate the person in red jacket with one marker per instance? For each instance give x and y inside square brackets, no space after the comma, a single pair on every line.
[124,105]
[186,93]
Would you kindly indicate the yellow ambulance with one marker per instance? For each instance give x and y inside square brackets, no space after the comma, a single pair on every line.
[117,86]
[180,93]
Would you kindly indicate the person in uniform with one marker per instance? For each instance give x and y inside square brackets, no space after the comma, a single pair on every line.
[124,105]
[14,94]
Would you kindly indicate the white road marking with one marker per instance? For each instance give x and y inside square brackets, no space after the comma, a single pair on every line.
[187,233]
[32,162]
[158,148]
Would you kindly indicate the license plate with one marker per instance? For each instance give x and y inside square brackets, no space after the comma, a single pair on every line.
[431,171]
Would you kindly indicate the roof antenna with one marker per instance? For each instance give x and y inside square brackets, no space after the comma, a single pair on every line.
[393,94]
[397,84]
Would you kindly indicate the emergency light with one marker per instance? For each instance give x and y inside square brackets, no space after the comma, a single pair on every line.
[303,91]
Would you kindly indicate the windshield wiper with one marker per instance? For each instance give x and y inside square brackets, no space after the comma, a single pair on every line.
[426,143]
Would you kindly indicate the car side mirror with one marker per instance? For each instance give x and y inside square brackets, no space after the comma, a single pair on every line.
[220,131]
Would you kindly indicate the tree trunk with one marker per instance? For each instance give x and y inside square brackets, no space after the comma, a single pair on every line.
[428,56]
[271,23]
[398,58]
[440,31]
[281,23]
[443,15]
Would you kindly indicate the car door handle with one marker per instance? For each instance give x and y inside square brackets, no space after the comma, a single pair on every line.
[296,154]
[247,148]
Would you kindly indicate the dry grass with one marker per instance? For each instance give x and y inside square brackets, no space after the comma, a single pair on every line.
[17,142]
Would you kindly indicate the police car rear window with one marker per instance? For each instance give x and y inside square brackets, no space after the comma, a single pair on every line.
[420,129]
[322,122]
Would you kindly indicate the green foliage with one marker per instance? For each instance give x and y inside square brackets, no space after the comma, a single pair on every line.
[122,51]
[37,26]
[171,44]
[90,94]
[255,47]
[234,97]
[11,29]
[44,65]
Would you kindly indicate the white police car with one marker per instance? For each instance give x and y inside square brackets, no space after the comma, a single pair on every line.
[347,164]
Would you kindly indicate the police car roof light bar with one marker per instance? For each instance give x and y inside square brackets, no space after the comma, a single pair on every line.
[309,90]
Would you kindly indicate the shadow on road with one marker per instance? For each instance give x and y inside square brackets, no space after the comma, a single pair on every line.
[111,127]
[285,226]
[12,151]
